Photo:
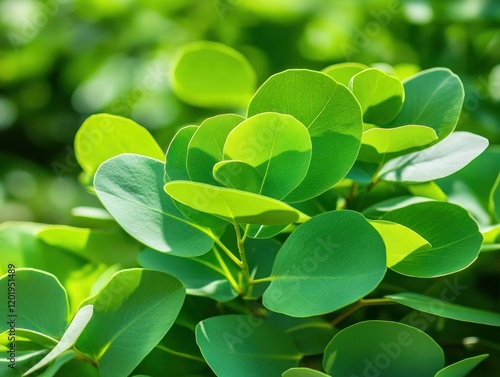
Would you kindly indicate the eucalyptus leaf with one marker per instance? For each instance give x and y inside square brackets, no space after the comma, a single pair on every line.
[125,326]
[461,368]
[210,74]
[238,175]
[131,188]
[245,346]
[343,72]
[445,309]
[332,116]
[330,261]
[175,159]
[376,347]
[303,372]
[438,161]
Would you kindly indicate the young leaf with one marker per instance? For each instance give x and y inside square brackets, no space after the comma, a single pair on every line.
[375,347]
[238,175]
[380,95]
[42,306]
[245,346]
[202,276]
[233,205]
[382,144]
[433,98]
[462,367]
[303,372]
[58,363]
[272,143]
[209,74]
[175,159]
[103,136]
[455,241]
[438,161]
[332,116]
[445,309]
[206,145]
[69,338]
[131,188]
[327,263]
[125,326]
[393,234]
[343,72]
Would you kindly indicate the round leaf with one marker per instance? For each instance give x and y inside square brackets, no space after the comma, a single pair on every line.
[433,98]
[455,241]
[380,95]
[330,261]
[332,116]
[238,175]
[233,205]
[210,74]
[245,346]
[125,326]
[103,136]
[342,72]
[303,372]
[131,188]
[272,143]
[385,348]
[175,159]
[462,367]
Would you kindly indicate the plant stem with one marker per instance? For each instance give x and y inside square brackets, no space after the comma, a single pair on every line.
[261,280]
[228,252]
[241,249]
[358,305]
[227,273]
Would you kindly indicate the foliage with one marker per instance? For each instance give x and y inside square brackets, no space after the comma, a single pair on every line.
[280,224]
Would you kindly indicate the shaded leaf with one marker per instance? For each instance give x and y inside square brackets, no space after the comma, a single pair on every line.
[462,367]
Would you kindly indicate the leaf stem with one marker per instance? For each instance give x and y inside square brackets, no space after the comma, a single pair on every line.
[228,252]
[227,273]
[241,249]
[360,304]
[261,280]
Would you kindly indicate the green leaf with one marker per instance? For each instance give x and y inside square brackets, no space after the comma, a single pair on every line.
[438,161]
[453,234]
[391,349]
[238,175]
[245,346]
[445,309]
[103,136]
[382,144]
[303,372]
[206,145]
[380,95]
[209,74]
[462,367]
[27,340]
[126,326]
[69,338]
[233,205]
[58,363]
[131,188]
[379,209]
[332,116]
[40,302]
[343,72]
[175,159]
[264,231]
[433,98]
[90,243]
[272,143]
[202,276]
[260,256]
[392,234]
[330,261]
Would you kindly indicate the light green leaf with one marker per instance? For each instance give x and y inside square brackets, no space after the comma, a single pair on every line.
[433,98]
[427,190]
[69,338]
[125,326]
[379,209]
[332,116]
[382,144]
[453,234]
[40,304]
[244,346]
[343,72]
[131,188]
[202,276]
[438,161]
[175,159]
[103,136]
[372,347]
[462,367]
[238,175]
[233,205]
[27,340]
[90,244]
[393,235]
[303,372]
[206,145]
[272,143]
[445,309]
[209,74]
[380,95]
[264,231]
[327,263]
